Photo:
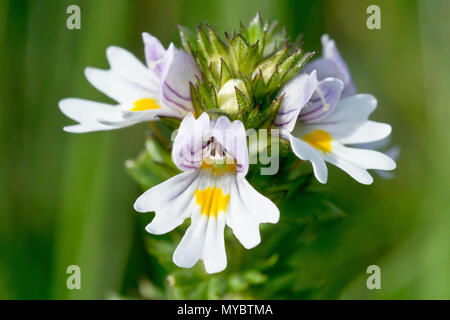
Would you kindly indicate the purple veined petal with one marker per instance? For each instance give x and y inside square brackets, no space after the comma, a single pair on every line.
[193,135]
[297,92]
[233,138]
[187,151]
[179,69]
[154,52]
[323,101]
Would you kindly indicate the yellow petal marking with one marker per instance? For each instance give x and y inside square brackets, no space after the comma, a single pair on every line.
[145,104]
[212,201]
[219,169]
[319,139]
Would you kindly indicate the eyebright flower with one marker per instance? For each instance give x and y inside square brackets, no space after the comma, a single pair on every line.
[212,191]
[143,93]
[246,80]
[320,131]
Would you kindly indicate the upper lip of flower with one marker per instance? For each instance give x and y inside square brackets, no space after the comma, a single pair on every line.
[331,64]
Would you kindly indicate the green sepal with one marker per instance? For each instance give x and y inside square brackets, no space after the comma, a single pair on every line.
[196,99]
[225,73]
[244,103]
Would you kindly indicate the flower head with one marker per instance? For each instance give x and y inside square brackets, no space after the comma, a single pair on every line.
[142,92]
[327,124]
[212,191]
[218,88]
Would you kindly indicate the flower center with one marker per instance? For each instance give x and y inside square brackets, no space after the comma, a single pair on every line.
[212,201]
[145,104]
[319,139]
[216,159]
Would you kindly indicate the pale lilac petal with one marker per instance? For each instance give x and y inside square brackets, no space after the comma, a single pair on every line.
[187,151]
[179,68]
[349,115]
[331,64]
[154,52]
[323,101]
[297,93]
[232,136]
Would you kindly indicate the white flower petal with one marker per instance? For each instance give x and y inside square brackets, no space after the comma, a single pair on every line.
[128,79]
[367,159]
[356,172]
[247,209]
[308,153]
[190,248]
[354,108]
[297,93]
[87,113]
[262,208]
[214,255]
[161,195]
[125,64]
[171,200]
[245,229]
[349,114]
[369,131]
[118,88]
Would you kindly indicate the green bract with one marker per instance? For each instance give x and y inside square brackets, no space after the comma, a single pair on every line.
[242,74]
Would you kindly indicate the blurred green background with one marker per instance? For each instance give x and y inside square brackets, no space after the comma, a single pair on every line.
[66,199]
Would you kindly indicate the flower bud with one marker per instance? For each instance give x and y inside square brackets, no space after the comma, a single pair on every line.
[226,97]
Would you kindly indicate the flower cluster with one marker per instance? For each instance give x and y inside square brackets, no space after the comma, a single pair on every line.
[212,91]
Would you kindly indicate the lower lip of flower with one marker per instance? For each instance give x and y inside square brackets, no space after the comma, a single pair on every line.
[212,201]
